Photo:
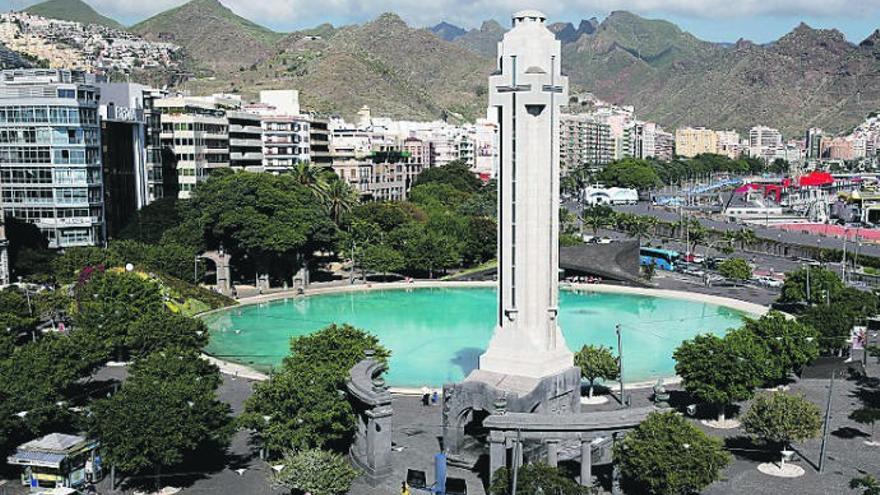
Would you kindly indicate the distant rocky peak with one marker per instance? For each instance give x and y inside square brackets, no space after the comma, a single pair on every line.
[588,26]
[492,26]
[447,31]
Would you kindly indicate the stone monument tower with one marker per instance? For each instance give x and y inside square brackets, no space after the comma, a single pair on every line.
[525,96]
[527,365]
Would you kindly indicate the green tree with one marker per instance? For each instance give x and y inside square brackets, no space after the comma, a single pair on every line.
[339,199]
[426,249]
[109,302]
[536,478]
[824,284]
[866,416]
[867,484]
[598,217]
[596,363]
[315,471]
[311,177]
[456,174]
[632,173]
[165,412]
[779,419]
[719,371]
[480,241]
[791,344]
[735,269]
[273,221]
[382,258]
[666,455]
[166,329]
[150,223]
[301,405]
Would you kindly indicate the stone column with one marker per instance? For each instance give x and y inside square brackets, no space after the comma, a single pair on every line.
[586,462]
[552,453]
[497,455]
[615,470]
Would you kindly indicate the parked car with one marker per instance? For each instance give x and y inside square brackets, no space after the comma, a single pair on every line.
[769,282]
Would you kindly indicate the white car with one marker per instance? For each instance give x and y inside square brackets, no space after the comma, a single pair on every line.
[770,282]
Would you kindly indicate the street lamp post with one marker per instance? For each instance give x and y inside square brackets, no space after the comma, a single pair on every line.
[620,365]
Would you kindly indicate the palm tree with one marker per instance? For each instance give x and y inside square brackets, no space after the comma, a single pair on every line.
[598,216]
[310,176]
[868,484]
[339,198]
[746,237]
[638,228]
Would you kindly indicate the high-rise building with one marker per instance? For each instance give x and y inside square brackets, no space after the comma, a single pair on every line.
[690,142]
[50,154]
[196,131]
[583,140]
[813,143]
[729,144]
[4,253]
[319,142]
[245,140]
[765,143]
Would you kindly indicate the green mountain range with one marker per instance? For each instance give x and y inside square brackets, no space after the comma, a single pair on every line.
[72,10]
[214,37]
[807,78]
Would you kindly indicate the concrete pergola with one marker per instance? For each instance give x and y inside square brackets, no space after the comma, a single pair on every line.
[507,430]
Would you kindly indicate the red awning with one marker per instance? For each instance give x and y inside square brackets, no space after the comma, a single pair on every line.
[816,179]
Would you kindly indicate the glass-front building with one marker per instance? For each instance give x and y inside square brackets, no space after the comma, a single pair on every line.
[50,154]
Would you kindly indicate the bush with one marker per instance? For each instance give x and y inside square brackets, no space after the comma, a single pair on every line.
[317,472]
[534,478]
[666,455]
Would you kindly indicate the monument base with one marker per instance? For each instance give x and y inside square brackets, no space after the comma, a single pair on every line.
[465,404]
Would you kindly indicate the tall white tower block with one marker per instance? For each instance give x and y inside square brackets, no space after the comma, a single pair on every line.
[525,95]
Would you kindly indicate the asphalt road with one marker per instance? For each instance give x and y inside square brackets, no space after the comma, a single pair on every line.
[797,238]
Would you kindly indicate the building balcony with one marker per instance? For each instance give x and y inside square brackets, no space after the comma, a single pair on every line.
[253,143]
[250,129]
[245,156]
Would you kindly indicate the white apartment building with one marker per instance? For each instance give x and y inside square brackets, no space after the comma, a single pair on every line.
[284,132]
[196,129]
[50,154]
[729,144]
[765,143]
[584,140]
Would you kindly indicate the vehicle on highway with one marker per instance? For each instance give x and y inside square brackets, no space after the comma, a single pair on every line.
[664,259]
[769,282]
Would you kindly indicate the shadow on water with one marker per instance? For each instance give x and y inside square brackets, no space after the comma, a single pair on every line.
[467,359]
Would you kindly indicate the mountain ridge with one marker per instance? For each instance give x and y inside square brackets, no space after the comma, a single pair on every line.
[72,10]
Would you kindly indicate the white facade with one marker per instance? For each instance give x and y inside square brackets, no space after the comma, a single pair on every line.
[525,96]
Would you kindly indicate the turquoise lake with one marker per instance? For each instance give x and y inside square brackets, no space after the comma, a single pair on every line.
[437,335]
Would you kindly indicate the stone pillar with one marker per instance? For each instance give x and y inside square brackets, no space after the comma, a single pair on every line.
[586,462]
[615,470]
[552,453]
[497,455]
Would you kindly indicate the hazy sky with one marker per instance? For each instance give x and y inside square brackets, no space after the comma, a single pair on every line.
[716,20]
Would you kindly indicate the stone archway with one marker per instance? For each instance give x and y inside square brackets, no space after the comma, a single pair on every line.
[222,261]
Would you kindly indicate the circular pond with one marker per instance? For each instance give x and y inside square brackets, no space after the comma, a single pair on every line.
[436,335]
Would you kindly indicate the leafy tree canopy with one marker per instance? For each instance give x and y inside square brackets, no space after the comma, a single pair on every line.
[782,418]
[630,172]
[596,363]
[456,174]
[165,411]
[791,344]
[735,269]
[536,478]
[719,371]
[667,455]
